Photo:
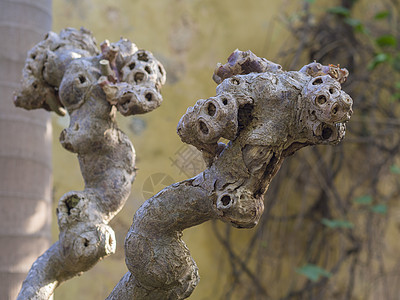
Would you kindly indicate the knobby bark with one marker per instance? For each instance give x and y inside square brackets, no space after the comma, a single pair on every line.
[68,72]
[267,114]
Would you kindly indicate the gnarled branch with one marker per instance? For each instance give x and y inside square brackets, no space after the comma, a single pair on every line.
[68,72]
[267,114]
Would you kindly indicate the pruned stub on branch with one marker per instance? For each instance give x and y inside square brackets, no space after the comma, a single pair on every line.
[67,72]
[266,114]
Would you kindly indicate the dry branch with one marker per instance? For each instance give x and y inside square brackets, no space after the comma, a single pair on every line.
[67,71]
[267,114]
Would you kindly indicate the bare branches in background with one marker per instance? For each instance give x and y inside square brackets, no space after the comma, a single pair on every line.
[329,210]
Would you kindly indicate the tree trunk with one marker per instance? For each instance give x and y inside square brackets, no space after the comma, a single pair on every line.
[25,149]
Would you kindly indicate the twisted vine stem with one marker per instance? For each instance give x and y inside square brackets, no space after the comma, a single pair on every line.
[68,72]
[267,114]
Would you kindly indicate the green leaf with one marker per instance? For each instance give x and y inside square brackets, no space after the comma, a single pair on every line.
[378,59]
[366,199]
[396,65]
[382,15]
[353,22]
[379,208]
[356,24]
[337,223]
[310,1]
[395,97]
[313,272]
[395,169]
[387,40]
[339,10]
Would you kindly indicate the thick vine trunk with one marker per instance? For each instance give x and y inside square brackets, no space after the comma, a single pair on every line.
[68,72]
[268,114]
[25,151]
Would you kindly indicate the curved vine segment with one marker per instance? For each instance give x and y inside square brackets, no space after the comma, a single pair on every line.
[267,114]
[68,72]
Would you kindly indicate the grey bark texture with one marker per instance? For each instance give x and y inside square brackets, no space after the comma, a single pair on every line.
[267,114]
[25,150]
[67,71]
